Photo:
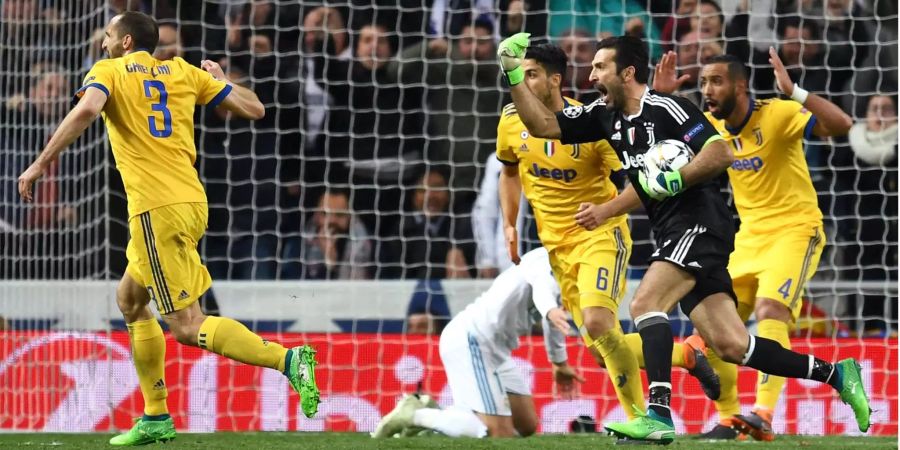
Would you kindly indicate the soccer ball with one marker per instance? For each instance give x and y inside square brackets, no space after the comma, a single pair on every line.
[666,156]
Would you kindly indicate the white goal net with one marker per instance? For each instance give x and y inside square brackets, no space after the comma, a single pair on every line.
[363,209]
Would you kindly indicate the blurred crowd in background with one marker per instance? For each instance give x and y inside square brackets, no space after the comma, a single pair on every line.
[375,157]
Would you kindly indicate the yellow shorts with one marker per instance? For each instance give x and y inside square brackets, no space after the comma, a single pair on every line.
[775,266]
[592,273]
[162,254]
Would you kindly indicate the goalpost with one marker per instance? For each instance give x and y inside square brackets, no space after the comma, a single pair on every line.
[367,140]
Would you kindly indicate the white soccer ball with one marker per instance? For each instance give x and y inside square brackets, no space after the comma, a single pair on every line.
[666,156]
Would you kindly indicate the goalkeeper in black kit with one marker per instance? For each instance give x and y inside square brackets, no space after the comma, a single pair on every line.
[692,227]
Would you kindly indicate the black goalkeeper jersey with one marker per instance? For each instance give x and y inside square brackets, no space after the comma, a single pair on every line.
[661,117]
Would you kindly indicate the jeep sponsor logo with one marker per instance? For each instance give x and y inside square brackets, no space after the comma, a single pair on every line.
[632,162]
[566,175]
[755,163]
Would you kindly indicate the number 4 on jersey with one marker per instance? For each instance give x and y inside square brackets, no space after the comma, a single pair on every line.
[785,289]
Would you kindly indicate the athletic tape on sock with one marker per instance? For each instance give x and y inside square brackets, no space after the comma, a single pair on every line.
[750,349]
[650,318]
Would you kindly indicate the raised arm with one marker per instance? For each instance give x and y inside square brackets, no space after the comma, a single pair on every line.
[830,119]
[73,125]
[241,101]
[540,121]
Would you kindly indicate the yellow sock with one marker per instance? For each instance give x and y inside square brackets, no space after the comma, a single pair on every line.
[148,349]
[233,340]
[623,370]
[768,387]
[727,404]
[637,348]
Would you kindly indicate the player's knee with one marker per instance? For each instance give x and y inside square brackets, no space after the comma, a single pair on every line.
[770,309]
[184,333]
[128,305]
[527,429]
[640,305]
[598,321]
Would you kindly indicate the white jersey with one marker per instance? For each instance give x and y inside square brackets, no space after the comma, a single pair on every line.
[518,297]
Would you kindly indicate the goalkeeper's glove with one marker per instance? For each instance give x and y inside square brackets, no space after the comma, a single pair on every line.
[664,184]
[511,51]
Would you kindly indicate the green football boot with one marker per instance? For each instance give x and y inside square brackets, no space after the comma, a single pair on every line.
[146,432]
[645,428]
[302,374]
[853,392]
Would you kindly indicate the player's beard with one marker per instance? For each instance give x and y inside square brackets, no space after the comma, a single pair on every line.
[726,107]
[615,95]
[115,50]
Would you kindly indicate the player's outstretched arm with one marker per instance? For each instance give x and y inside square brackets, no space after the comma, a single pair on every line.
[79,118]
[240,100]
[540,121]
[715,157]
[510,190]
[830,119]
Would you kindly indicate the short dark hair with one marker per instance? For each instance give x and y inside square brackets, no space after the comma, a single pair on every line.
[551,57]
[736,68]
[630,51]
[143,29]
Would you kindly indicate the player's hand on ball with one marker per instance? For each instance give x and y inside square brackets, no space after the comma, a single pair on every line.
[213,68]
[591,216]
[565,377]
[559,319]
[511,51]
[662,185]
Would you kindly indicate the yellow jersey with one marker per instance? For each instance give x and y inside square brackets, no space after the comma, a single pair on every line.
[149,116]
[769,177]
[556,178]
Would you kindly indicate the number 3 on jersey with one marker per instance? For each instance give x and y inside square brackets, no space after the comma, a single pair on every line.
[159,107]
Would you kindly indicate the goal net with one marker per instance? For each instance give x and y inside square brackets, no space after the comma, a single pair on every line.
[361,213]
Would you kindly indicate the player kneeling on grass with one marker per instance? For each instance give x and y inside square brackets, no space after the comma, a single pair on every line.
[490,396]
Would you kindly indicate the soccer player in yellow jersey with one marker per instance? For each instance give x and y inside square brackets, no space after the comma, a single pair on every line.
[781,238]
[148,107]
[556,178]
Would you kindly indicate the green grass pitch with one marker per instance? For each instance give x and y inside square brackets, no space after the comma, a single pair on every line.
[332,441]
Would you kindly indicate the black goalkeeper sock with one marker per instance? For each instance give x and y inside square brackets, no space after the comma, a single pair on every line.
[768,356]
[657,347]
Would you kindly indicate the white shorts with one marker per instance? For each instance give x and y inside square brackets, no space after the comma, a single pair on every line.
[479,375]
